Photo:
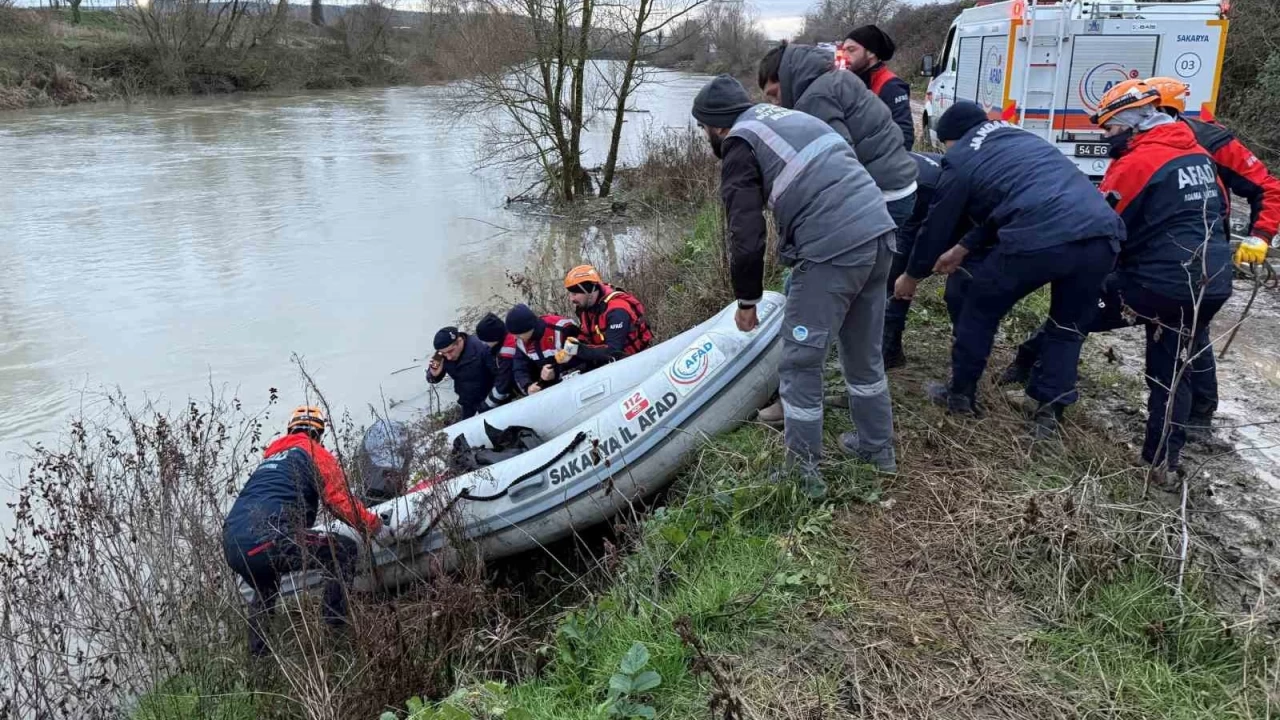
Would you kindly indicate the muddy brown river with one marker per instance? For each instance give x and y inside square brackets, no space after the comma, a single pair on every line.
[175,246]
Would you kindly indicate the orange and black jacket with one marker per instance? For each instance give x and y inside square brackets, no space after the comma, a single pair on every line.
[614,328]
[1243,174]
[894,92]
[1166,190]
[283,495]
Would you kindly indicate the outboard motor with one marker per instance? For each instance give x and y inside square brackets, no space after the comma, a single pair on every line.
[384,461]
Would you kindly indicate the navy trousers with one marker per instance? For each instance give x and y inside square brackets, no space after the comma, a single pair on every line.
[1074,274]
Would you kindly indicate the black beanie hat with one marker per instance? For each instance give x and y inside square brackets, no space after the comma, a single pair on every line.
[875,40]
[520,319]
[959,119]
[491,329]
[445,337]
[720,102]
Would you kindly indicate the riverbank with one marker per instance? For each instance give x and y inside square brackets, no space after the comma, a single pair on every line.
[47,58]
[991,578]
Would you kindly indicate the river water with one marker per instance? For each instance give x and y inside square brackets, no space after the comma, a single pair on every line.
[175,246]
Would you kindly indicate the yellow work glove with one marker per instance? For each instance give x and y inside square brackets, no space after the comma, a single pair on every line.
[571,348]
[1251,251]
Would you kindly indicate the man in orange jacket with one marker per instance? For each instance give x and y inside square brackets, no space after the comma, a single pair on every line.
[612,321]
[268,532]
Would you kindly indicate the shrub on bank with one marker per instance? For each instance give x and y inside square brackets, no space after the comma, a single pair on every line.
[132,52]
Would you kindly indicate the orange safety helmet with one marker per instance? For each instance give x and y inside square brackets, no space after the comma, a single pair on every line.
[307,417]
[1124,96]
[581,274]
[1173,92]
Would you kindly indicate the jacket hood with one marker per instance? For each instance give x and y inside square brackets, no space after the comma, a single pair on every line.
[1173,135]
[801,65]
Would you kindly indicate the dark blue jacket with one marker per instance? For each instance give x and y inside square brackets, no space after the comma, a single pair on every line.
[1022,193]
[1167,192]
[895,93]
[472,374]
[929,166]
[284,494]
[504,379]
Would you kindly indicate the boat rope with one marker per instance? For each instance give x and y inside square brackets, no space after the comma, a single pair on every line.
[573,445]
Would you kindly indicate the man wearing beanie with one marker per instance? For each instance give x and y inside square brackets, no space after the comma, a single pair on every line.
[867,49]
[836,235]
[502,347]
[1041,223]
[805,78]
[537,341]
[467,361]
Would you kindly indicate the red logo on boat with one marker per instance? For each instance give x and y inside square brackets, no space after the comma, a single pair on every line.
[634,405]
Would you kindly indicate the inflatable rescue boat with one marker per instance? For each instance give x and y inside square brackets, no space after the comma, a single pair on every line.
[604,439]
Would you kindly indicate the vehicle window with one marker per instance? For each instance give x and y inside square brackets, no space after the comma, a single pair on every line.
[946,50]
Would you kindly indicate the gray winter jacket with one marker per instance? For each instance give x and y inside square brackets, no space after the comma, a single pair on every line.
[826,205]
[811,84]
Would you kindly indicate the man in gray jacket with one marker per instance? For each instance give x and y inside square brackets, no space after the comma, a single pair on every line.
[806,78]
[836,235]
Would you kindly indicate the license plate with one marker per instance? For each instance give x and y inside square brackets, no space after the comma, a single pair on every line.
[1093,150]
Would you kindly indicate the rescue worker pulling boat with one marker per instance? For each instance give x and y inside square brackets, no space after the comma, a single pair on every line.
[268,531]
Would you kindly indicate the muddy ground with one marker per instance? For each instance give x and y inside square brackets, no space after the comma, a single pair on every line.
[1234,503]
[1235,499]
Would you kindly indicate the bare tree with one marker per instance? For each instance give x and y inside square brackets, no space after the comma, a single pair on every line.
[177,30]
[832,19]
[534,109]
[731,40]
[317,13]
[642,21]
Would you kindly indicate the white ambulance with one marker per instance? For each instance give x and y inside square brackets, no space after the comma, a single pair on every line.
[1045,65]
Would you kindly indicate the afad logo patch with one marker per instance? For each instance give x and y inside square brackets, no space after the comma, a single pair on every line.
[694,364]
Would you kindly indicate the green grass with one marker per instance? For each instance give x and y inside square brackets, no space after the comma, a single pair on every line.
[754,571]
[200,695]
[731,560]
[1137,652]
[703,243]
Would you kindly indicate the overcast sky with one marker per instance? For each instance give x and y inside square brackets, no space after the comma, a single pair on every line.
[782,18]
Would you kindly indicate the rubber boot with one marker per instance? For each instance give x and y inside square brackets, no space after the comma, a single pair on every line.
[885,459]
[891,349]
[837,401]
[771,415]
[334,612]
[1046,421]
[940,394]
[259,623]
[1015,374]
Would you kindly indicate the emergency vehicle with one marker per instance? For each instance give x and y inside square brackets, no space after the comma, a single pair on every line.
[1045,65]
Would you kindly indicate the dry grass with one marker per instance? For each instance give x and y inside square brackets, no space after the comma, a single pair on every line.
[988,548]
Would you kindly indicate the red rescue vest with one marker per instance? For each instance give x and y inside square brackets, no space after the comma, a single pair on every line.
[551,340]
[878,77]
[592,321]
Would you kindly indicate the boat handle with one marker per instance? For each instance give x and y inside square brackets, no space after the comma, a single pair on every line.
[530,486]
[593,393]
